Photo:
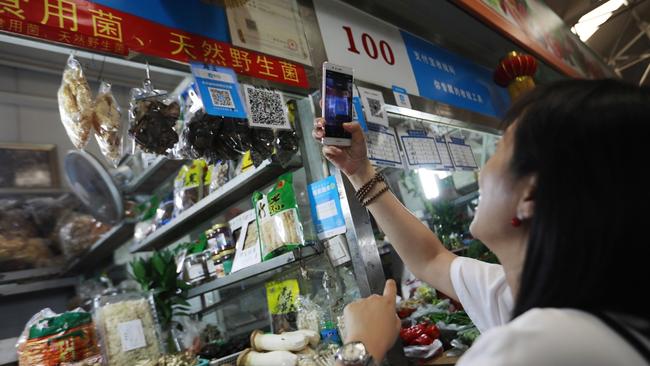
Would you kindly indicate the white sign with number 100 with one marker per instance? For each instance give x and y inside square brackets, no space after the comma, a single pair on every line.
[372,47]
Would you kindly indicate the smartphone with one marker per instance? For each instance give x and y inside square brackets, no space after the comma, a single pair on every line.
[337,103]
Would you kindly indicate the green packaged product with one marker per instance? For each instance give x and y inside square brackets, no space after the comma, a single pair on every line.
[278,220]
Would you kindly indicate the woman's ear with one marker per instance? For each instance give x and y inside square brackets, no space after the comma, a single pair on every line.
[526,204]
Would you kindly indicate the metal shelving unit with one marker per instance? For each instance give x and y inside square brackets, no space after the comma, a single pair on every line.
[22,288]
[150,179]
[30,274]
[103,248]
[233,191]
[256,271]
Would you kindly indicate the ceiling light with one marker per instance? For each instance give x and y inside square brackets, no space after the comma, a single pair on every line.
[590,22]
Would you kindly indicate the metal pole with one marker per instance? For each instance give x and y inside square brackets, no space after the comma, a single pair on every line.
[645,74]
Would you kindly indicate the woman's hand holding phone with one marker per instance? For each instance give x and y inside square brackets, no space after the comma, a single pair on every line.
[351,160]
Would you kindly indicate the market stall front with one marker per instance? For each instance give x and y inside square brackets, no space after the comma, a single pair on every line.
[163,201]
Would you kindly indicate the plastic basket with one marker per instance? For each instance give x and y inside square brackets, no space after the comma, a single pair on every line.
[228,360]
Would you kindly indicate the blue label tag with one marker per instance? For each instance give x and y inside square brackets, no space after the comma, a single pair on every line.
[219,90]
[326,209]
[401,97]
[358,112]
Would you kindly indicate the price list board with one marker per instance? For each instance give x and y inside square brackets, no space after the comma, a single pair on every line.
[382,146]
[461,154]
[419,147]
[445,157]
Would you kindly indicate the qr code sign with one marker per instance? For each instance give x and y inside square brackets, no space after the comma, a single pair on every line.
[221,98]
[266,108]
[375,107]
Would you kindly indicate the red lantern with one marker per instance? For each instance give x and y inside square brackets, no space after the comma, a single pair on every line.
[515,71]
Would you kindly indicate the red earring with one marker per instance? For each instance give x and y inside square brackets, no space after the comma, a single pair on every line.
[515,222]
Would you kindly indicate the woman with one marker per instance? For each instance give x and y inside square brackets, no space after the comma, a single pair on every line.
[562,206]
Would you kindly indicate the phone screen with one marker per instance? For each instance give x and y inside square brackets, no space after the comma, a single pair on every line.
[338,103]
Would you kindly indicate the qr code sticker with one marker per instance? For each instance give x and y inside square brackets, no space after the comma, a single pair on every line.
[221,98]
[266,108]
[375,108]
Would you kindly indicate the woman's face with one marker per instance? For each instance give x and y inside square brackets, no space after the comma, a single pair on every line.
[499,195]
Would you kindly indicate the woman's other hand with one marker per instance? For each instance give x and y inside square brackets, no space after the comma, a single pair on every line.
[374,322]
[351,160]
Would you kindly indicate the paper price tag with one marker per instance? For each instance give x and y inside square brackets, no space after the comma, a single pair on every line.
[131,335]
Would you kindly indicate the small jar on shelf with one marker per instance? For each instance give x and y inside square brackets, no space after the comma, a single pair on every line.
[194,269]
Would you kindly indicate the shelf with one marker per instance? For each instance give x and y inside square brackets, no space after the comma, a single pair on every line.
[464,199]
[32,191]
[257,270]
[29,274]
[22,288]
[153,176]
[236,189]
[102,248]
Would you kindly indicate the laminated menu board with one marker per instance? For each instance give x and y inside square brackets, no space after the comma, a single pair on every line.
[445,157]
[419,147]
[461,154]
[382,146]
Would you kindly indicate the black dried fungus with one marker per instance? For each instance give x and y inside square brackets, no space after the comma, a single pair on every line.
[286,145]
[153,128]
[262,145]
[216,138]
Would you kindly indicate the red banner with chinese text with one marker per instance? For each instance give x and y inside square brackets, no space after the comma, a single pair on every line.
[88,25]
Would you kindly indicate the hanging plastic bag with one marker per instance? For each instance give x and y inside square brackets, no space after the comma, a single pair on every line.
[152,118]
[188,186]
[108,124]
[220,175]
[75,104]
[263,146]
[286,141]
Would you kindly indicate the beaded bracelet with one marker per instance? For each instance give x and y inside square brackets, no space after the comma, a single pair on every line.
[373,198]
[366,188]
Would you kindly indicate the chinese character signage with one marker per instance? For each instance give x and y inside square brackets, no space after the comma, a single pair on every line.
[382,54]
[146,28]
[443,76]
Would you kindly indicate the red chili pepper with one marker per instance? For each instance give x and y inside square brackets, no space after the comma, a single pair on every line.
[432,331]
[422,340]
[409,334]
[405,312]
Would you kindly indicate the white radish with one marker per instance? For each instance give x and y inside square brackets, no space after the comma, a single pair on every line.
[275,358]
[314,337]
[290,341]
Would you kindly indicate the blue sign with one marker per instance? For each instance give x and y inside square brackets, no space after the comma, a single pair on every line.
[326,209]
[194,16]
[451,79]
[358,113]
[219,90]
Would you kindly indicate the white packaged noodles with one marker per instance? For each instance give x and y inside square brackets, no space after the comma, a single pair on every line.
[128,328]
[75,104]
[278,220]
[108,124]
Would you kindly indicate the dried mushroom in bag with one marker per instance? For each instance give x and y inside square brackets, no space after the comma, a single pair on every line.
[152,118]
[75,104]
[235,134]
[199,136]
[263,145]
[108,124]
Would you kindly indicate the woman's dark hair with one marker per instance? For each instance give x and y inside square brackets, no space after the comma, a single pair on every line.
[585,140]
